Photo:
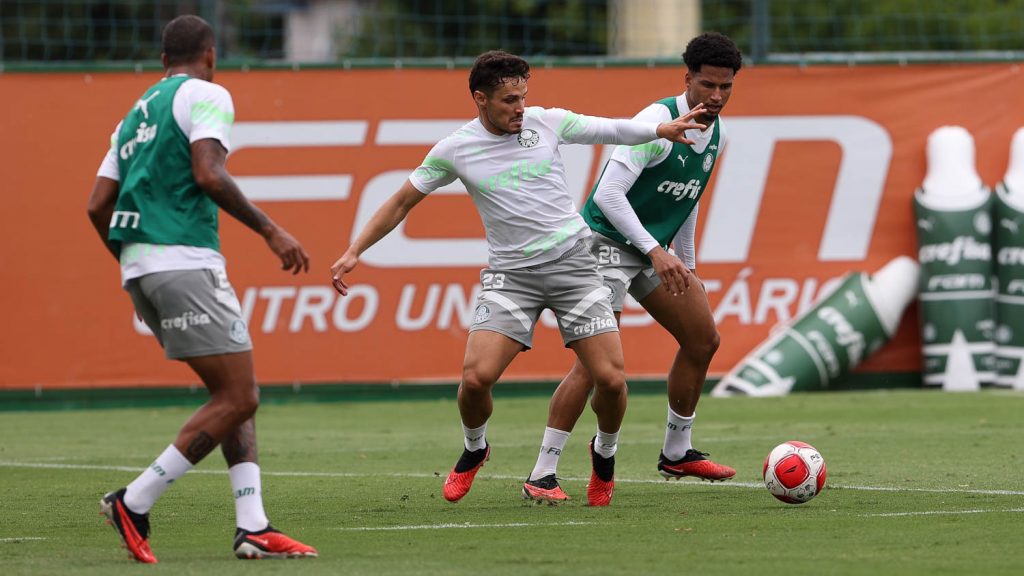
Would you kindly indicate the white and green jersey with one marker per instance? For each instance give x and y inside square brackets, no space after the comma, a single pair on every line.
[517,181]
[647,195]
[162,219]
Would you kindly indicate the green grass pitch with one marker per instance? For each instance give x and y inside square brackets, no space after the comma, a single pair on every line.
[919,482]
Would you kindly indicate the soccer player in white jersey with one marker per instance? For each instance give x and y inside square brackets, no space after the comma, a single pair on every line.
[538,243]
[645,199]
[154,205]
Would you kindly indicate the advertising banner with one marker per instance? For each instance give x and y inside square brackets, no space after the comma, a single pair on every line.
[816,180]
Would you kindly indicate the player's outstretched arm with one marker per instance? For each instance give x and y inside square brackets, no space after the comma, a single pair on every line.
[384,220]
[208,157]
[101,210]
[676,129]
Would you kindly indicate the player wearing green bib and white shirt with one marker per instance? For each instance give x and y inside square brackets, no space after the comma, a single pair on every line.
[155,206]
[539,257]
[645,200]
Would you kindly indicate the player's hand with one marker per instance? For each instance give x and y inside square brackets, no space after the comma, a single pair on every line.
[288,249]
[343,266]
[675,276]
[676,129]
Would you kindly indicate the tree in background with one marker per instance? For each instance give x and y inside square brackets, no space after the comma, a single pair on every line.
[796,26]
[121,30]
[465,28]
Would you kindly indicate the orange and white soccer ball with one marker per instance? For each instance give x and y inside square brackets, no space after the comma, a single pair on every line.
[794,472]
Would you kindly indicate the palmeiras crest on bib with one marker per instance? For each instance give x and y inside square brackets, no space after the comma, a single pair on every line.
[483,313]
[709,161]
[528,138]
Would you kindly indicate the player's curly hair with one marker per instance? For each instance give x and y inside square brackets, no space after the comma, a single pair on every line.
[185,39]
[494,68]
[713,49]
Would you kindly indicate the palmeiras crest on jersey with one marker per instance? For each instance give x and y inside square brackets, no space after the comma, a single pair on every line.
[482,314]
[709,161]
[528,138]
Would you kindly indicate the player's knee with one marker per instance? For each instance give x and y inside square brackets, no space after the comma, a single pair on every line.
[712,343]
[251,403]
[474,380]
[703,349]
[611,381]
[578,379]
[243,405]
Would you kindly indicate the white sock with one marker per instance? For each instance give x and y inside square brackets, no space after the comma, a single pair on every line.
[550,450]
[246,486]
[143,492]
[606,444]
[475,437]
[677,435]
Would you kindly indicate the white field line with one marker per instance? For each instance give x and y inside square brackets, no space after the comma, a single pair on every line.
[938,512]
[20,539]
[463,525]
[294,474]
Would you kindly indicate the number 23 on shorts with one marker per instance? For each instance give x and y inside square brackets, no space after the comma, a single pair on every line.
[493,281]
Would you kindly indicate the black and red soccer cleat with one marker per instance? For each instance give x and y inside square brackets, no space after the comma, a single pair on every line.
[696,464]
[460,479]
[269,543]
[602,478]
[131,527]
[544,489]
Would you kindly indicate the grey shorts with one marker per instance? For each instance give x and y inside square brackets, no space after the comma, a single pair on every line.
[512,300]
[191,312]
[624,269]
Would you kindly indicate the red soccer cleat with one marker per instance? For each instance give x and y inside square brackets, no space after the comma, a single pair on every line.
[602,478]
[696,464]
[545,489]
[460,479]
[269,543]
[131,527]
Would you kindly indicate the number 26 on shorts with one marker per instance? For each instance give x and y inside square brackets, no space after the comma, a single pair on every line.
[607,255]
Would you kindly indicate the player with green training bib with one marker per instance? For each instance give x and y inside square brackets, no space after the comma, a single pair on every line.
[154,205]
[646,200]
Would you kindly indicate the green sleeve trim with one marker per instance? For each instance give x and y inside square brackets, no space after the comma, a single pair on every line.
[642,154]
[571,126]
[208,113]
[434,168]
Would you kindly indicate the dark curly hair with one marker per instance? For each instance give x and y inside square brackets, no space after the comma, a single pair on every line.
[713,49]
[494,68]
[185,39]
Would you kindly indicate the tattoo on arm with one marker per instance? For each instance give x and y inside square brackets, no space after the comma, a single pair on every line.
[208,157]
[240,445]
[199,447]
